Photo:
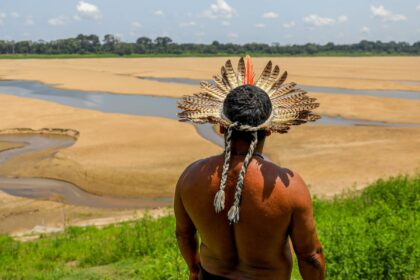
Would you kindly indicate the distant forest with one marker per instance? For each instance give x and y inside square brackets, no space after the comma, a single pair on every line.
[110,44]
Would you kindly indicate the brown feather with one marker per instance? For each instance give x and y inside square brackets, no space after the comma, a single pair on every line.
[212,90]
[284,89]
[241,71]
[280,128]
[199,108]
[278,84]
[195,115]
[272,79]
[221,84]
[231,75]
[202,99]
[265,75]
[196,106]
[293,95]
[283,115]
[304,107]
[225,78]
[288,103]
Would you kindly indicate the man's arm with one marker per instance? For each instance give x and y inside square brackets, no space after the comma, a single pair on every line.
[304,238]
[186,234]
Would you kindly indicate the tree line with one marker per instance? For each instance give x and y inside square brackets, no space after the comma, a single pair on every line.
[110,44]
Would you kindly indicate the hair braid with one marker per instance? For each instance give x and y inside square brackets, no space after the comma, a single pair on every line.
[233,214]
[219,198]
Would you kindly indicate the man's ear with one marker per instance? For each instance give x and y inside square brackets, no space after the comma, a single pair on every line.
[222,129]
[268,133]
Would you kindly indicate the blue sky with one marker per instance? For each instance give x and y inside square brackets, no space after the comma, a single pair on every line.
[238,21]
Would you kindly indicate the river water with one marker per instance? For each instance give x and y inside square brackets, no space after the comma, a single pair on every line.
[143,105]
[404,94]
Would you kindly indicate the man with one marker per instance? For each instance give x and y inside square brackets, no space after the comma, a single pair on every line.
[267,204]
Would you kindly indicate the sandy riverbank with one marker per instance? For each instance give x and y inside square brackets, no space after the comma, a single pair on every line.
[392,110]
[23,217]
[108,74]
[4,146]
[332,159]
[114,155]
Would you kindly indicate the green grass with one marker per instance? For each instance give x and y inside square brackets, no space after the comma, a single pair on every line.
[257,54]
[370,235]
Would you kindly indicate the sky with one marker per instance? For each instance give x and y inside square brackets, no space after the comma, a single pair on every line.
[236,21]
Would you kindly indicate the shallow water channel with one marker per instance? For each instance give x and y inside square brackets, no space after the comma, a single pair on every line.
[132,104]
[404,94]
[57,190]
[143,105]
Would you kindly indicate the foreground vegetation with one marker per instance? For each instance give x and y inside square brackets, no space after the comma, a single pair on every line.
[88,45]
[370,235]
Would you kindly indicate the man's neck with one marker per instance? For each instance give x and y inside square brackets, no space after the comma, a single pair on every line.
[241,147]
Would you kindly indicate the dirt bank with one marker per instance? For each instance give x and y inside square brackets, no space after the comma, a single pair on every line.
[333,158]
[22,216]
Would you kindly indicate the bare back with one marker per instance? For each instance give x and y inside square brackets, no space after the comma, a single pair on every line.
[258,246]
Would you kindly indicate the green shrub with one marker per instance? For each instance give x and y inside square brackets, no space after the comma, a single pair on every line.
[373,235]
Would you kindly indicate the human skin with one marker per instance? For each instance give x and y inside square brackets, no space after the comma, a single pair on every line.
[275,206]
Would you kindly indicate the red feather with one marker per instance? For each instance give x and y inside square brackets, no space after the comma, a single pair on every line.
[249,73]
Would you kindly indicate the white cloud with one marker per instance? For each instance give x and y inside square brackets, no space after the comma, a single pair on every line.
[316,20]
[133,34]
[343,18]
[119,36]
[159,13]
[418,8]
[187,24]
[270,15]
[289,24]
[225,23]
[2,17]
[136,25]
[386,15]
[86,10]
[57,21]
[260,25]
[233,35]
[221,9]
[365,29]
[15,15]
[200,34]
[29,21]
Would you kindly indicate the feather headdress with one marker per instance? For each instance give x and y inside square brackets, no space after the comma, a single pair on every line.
[290,106]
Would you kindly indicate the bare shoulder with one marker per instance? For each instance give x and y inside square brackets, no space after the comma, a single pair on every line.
[196,168]
[201,163]
[298,190]
[287,178]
